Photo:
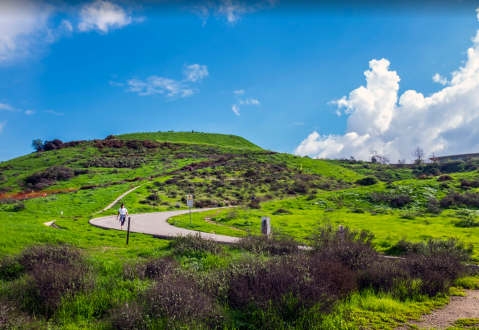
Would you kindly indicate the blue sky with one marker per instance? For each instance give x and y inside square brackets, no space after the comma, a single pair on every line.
[272,72]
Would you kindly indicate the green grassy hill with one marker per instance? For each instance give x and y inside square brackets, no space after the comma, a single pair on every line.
[224,140]
[298,193]
[99,171]
[229,173]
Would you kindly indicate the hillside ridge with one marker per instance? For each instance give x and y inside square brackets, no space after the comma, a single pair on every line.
[216,139]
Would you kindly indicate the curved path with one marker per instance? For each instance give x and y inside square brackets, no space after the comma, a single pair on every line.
[156,224]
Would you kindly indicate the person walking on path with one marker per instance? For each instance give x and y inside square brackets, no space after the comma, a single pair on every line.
[122,213]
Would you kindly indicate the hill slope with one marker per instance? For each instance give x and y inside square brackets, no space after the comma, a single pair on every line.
[82,177]
[189,137]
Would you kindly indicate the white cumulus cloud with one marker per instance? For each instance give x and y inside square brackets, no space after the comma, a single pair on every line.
[66,25]
[29,112]
[236,109]
[5,106]
[252,102]
[231,10]
[169,87]
[446,122]
[103,16]
[195,72]
[249,101]
[439,79]
[113,83]
[23,25]
[54,112]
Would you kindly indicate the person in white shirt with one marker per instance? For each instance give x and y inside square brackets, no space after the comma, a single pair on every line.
[122,213]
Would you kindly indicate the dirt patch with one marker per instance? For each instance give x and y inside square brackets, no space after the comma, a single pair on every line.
[458,308]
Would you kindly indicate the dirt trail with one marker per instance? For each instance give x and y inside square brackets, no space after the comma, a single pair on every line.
[116,200]
[458,308]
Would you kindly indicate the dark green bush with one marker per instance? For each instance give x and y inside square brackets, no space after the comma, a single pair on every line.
[367,181]
[179,301]
[273,245]
[282,211]
[42,179]
[194,244]
[153,268]
[154,197]
[432,246]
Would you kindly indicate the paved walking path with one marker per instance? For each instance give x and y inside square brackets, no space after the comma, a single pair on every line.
[156,224]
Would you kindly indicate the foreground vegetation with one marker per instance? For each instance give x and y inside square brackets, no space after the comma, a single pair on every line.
[193,283]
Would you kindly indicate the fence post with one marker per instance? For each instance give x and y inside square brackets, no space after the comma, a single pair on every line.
[128,231]
[341,233]
[266,226]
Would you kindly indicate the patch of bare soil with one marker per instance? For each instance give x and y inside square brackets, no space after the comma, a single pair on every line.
[458,308]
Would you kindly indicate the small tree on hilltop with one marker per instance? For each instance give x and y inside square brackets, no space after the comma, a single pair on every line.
[377,158]
[37,145]
[419,155]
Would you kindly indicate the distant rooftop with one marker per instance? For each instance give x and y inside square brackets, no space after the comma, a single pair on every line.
[453,157]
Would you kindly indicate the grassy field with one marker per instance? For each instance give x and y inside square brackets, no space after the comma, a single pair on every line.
[387,228]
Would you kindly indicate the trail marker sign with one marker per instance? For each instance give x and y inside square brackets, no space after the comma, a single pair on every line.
[189,203]
[189,200]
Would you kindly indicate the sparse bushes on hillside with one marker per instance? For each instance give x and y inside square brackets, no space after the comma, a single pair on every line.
[444,177]
[180,301]
[254,204]
[55,144]
[153,268]
[123,162]
[454,199]
[282,211]
[54,273]
[273,245]
[367,181]
[154,197]
[393,198]
[433,206]
[452,166]
[286,288]
[466,222]
[42,179]
[301,187]
[11,317]
[194,244]
[433,246]
[52,282]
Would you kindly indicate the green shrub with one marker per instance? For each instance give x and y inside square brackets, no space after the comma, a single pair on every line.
[468,222]
[194,244]
[433,246]
[282,212]
[367,181]
[357,211]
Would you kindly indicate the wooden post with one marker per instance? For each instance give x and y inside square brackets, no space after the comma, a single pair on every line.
[341,233]
[128,231]
[265,226]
